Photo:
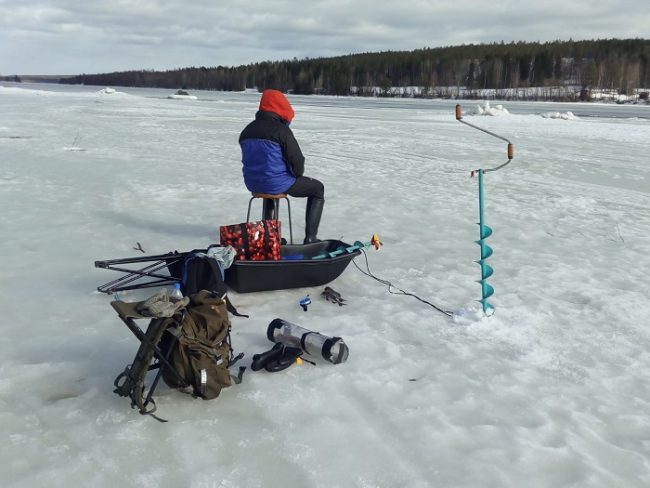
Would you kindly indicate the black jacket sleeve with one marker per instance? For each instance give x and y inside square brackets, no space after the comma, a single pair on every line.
[292,153]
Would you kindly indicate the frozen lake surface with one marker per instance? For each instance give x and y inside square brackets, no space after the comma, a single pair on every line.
[551,391]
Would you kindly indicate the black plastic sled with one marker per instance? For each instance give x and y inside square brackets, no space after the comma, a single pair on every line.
[296,269]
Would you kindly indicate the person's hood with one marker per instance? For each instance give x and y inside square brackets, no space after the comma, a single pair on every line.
[275,101]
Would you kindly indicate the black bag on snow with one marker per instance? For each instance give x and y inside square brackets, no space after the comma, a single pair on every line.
[201,272]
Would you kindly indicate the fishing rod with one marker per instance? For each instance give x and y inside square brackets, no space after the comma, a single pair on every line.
[485,231]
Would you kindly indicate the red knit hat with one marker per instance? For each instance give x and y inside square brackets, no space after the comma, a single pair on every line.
[275,101]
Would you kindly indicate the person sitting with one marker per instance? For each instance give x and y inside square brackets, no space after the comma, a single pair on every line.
[273,162]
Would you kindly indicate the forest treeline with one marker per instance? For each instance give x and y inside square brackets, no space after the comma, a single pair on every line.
[622,65]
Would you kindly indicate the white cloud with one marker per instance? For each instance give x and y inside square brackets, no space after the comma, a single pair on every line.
[67,36]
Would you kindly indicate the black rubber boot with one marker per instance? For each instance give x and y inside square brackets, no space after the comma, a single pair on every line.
[268,209]
[312,219]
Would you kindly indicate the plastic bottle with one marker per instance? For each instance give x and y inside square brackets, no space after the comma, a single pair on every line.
[176,293]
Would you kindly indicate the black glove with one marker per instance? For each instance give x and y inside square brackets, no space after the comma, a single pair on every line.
[278,358]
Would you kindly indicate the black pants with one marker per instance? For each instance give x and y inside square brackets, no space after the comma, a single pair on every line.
[307,187]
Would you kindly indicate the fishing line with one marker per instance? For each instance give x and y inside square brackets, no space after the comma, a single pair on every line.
[391,286]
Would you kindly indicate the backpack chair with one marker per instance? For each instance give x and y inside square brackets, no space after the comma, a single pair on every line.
[188,342]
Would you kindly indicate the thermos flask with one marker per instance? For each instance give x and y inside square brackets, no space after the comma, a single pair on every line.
[332,349]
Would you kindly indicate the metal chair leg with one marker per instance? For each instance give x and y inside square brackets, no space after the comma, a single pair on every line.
[276,209]
[290,225]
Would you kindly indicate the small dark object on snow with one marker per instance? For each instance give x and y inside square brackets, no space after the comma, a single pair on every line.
[304,302]
[333,296]
[276,359]
[139,248]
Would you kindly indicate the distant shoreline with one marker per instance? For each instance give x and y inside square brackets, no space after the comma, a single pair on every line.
[558,71]
[556,94]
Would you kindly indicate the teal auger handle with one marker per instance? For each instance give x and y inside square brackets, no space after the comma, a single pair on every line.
[349,249]
[339,251]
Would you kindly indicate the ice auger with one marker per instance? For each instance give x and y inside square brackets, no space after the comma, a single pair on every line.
[484,231]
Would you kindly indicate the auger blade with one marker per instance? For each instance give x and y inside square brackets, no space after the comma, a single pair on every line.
[486,231]
[486,251]
[487,289]
[486,271]
[486,306]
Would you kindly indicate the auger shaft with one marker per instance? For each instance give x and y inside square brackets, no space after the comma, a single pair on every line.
[486,251]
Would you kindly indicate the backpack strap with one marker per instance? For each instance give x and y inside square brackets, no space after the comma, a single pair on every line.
[244,235]
[267,245]
[231,308]
[238,379]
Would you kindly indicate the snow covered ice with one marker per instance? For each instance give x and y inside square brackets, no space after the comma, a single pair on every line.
[486,109]
[551,391]
[559,115]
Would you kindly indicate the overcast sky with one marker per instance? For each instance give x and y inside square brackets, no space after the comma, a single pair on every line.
[92,36]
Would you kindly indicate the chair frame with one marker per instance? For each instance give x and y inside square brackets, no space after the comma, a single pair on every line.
[127,383]
[157,263]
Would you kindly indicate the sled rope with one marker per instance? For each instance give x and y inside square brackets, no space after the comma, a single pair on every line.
[399,290]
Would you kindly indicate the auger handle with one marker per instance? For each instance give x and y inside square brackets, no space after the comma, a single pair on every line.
[511,147]
[459,112]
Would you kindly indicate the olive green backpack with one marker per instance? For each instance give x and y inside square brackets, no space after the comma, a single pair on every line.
[198,347]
